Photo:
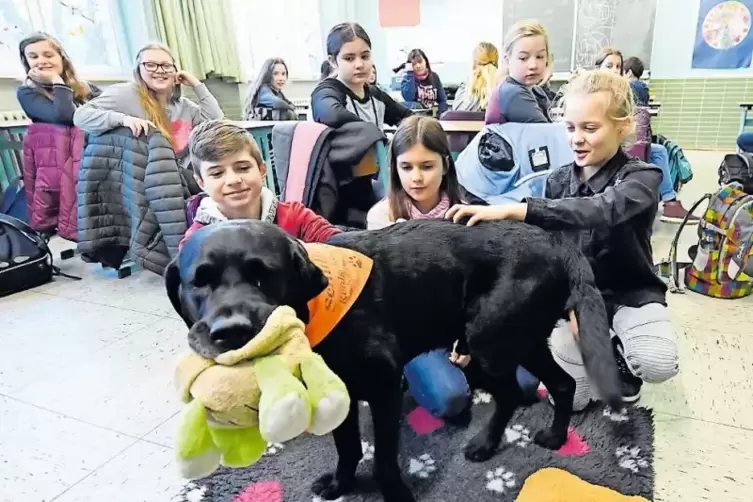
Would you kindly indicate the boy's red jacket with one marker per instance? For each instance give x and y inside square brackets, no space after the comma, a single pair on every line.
[296,219]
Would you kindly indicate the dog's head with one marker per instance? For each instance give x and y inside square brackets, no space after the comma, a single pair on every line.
[230,276]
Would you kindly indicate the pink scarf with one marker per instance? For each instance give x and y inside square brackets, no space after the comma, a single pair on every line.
[436,213]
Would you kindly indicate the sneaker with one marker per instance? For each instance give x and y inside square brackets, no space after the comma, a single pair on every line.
[673,212]
[631,384]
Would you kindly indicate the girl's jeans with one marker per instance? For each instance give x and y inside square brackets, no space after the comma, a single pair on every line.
[441,388]
[659,157]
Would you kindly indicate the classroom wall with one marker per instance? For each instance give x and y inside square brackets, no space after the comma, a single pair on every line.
[700,108]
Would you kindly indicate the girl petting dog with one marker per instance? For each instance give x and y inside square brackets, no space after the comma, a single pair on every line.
[608,202]
[424,185]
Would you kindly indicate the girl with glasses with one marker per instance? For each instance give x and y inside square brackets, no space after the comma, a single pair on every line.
[153,100]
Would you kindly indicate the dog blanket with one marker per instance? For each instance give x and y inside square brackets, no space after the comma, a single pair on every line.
[347,272]
[555,485]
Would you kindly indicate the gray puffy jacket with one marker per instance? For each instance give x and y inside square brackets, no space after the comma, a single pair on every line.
[131,193]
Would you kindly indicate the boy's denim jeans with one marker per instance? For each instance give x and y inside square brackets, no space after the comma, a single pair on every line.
[659,157]
[441,388]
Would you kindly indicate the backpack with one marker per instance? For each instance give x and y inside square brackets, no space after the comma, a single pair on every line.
[721,266]
[25,257]
[737,167]
[679,166]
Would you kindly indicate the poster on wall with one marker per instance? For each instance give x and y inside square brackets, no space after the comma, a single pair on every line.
[723,37]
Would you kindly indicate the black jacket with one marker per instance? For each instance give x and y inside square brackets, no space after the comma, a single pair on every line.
[612,215]
[334,104]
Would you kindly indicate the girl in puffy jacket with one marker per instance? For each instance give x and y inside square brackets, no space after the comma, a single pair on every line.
[52,147]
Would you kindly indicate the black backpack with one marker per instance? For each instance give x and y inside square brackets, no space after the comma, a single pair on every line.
[737,167]
[25,257]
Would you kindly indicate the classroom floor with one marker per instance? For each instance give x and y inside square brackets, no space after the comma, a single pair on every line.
[87,406]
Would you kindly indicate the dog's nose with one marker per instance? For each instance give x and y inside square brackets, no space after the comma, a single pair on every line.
[225,328]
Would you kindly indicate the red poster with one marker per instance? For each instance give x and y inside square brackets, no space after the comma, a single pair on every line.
[394,13]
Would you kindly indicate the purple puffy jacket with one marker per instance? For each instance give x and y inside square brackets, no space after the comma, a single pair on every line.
[52,156]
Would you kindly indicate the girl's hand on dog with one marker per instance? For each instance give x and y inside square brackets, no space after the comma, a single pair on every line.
[459,212]
[460,360]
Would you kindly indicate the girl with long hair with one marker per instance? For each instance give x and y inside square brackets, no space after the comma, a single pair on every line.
[265,99]
[52,90]
[606,201]
[152,100]
[421,87]
[473,95]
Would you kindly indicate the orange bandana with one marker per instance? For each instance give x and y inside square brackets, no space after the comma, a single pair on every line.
[347,272]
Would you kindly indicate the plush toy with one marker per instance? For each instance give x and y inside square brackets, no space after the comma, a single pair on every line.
[255,395]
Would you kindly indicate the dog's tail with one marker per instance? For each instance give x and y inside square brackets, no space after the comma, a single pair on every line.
[593,328]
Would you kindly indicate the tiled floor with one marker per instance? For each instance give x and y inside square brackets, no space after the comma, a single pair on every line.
[87,406]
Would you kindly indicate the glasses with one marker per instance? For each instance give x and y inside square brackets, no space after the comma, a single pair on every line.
[153,67]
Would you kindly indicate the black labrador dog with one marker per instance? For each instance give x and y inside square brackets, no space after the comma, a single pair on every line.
[503,286]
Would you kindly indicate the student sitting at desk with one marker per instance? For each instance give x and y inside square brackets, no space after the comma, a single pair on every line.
[265,99]
[154,100]
[473,95]
[421,87]
[518,98]
[346,96]
[633,71]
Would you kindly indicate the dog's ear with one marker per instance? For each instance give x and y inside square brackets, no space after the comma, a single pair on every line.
[174,289]
[311,279]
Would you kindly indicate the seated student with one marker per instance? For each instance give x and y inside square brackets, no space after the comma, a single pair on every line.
[607,202]
[347,97]
[153,99]
[518,98]
[633,71]
[229,168]
[326,70]
[424,185]
[473,95]
[52,91]
[265,99]
[611,60]
[421,87]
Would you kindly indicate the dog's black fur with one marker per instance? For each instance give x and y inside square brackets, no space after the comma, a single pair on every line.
[504,285]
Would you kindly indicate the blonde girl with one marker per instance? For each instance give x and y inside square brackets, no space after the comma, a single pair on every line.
[152,100]
[607,202]
[473,95]
[526,57]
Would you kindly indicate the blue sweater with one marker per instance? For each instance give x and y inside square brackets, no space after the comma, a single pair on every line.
[424,93]
[57,108]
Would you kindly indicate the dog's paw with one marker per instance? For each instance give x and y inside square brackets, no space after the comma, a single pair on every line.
[329,487]
[479,448]
[549,440]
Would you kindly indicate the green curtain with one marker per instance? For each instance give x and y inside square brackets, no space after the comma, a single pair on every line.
[200,36]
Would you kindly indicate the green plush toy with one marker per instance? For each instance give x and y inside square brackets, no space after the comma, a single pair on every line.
[255,395]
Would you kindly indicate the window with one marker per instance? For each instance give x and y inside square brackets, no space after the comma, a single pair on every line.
[283,28]
[89,30]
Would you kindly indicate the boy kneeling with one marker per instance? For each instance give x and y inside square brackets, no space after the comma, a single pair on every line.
[229,167]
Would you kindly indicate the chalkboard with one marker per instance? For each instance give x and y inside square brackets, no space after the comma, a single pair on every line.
[627,25]
[557,16]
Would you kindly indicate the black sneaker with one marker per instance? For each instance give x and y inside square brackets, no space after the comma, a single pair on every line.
[631,384]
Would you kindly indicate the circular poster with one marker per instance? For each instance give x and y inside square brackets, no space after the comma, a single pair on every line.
[726,25]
